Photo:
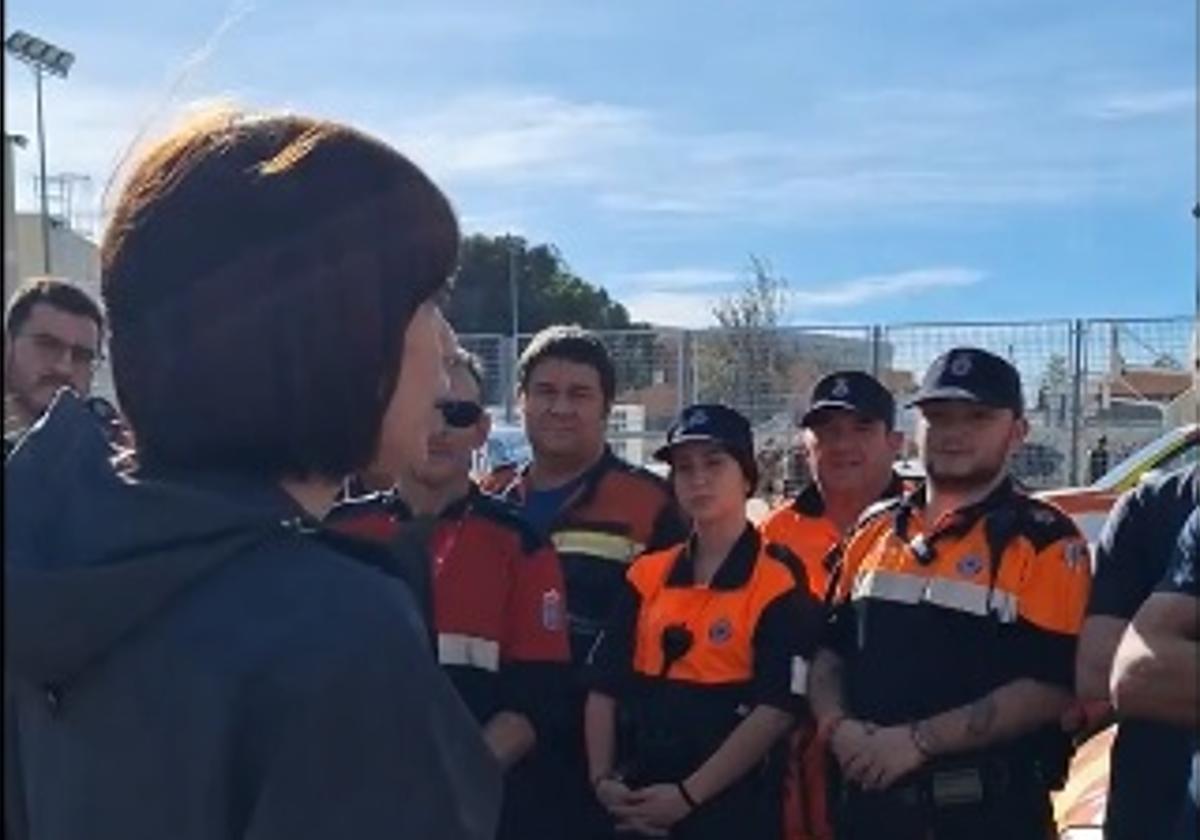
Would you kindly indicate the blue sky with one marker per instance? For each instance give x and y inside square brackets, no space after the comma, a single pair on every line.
[897,161]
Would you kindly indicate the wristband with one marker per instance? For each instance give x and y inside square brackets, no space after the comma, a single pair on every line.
[687,797]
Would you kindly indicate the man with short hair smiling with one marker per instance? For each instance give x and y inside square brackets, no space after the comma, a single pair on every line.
[599,511]
[955,612]
[498,607]
[53,334]
[849,441]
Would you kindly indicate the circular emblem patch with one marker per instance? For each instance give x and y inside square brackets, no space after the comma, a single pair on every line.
[841,388]
[698,417]
[970,565]
[720,631]
[960,365]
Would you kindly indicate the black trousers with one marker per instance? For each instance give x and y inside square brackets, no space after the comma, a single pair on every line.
[863,816]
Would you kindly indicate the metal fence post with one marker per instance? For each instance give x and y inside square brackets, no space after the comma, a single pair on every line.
[1077,378]
[681,371]
[876,349]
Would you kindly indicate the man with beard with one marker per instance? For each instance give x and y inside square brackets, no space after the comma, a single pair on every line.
[53,333]
[949,657]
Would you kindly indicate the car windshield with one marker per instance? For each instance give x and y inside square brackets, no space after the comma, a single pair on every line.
[1160,453]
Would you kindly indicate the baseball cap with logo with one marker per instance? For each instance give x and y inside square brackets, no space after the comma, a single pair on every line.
[717,424]
[974,375]
[851,390]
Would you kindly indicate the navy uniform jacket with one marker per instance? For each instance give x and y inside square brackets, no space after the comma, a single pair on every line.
[186,658]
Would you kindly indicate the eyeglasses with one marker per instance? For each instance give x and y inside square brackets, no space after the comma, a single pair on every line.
[50,348]
[460,414]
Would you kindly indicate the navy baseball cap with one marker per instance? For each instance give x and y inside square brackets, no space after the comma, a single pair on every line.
[717,424]
[974,375]
[851,390]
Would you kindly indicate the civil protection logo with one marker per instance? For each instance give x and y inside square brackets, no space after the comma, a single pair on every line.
[720,631]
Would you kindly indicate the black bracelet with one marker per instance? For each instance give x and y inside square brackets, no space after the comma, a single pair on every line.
[687,797]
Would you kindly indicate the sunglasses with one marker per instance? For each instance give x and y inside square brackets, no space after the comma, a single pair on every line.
[460,414]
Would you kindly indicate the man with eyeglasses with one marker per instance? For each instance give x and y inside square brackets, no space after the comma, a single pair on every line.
[497,601]
[53,334]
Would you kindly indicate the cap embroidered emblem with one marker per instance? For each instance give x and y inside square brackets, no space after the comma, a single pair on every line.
[720,631]
[960,365]
[970,565]
[697,417]
[841,388]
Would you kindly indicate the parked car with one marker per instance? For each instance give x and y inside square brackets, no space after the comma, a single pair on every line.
[1089,505]
[1079,807]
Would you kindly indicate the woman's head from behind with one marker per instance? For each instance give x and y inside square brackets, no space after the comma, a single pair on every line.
[267,279]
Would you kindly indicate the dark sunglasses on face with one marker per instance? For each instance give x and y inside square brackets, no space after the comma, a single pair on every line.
[460,414]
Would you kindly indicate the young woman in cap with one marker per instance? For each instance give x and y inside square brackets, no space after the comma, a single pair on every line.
[705,655]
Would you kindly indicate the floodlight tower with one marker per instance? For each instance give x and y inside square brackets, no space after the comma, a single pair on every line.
[43,58]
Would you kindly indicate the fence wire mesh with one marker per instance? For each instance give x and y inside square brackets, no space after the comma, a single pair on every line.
[1091,386]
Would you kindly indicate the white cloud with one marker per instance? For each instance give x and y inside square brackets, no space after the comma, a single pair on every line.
[679,280]
[522,137]
[1142,104]
[685,297]
[875,287]
[671,309]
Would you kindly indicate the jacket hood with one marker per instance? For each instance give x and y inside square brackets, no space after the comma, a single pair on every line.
[90,555]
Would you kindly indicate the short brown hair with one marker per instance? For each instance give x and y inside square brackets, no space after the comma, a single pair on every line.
[260,274]
[570,343]
[52,291]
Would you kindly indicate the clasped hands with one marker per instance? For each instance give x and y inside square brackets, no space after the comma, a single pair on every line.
[650,810]
[874,757]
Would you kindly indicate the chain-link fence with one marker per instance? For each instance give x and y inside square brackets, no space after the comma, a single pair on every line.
[1096,390]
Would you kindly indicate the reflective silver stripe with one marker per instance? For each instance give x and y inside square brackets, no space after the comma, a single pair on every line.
[471,651]
[594,544]
[960,595]
[799,676]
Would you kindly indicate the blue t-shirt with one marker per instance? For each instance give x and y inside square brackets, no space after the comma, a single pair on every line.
[541,507]
[1181,578]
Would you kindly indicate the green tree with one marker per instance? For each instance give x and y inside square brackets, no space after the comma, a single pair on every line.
[548,292]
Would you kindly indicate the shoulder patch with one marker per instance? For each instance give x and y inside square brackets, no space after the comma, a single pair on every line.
[1044,524]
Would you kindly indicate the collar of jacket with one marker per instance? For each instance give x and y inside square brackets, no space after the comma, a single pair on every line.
[734,571]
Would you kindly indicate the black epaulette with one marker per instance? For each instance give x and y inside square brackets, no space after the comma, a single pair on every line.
[1043,524]
[508,516]
[780,552]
